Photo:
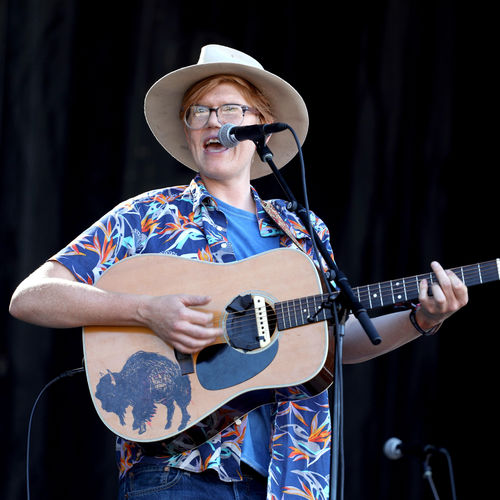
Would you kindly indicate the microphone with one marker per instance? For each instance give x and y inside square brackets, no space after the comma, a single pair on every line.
[230,135]
[394,449]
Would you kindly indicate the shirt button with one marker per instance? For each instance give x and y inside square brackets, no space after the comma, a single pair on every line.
[220,228]
[224,245]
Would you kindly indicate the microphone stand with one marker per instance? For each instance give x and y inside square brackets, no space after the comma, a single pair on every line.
[340,311]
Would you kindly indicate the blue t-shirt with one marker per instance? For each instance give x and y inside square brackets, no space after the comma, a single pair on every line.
[246,240]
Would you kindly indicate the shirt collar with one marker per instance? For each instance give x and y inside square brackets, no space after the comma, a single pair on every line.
[200,196]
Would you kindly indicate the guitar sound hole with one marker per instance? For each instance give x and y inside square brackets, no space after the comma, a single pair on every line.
[244,331]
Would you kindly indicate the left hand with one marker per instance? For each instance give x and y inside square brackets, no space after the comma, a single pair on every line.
[447,297]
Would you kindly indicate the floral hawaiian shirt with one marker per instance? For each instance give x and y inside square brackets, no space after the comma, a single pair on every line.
[185,221]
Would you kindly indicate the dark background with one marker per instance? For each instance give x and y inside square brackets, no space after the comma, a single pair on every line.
[401,163]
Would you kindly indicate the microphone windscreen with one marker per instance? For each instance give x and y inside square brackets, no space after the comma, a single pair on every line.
[225,137]
[392,448]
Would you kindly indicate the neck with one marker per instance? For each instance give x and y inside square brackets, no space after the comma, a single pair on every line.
[236,194]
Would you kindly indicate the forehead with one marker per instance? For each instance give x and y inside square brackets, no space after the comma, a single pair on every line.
[224,93]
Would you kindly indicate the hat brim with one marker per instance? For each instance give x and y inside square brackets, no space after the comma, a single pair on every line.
[163,100]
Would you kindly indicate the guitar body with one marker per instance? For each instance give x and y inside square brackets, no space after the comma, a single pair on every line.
[146,392]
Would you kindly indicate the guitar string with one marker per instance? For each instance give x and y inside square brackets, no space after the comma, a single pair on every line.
[297,312]
[295,307]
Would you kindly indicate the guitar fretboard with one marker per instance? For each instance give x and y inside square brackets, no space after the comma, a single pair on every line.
[297,312]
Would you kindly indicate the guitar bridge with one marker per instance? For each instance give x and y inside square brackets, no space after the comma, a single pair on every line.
[260,307]
[249,322]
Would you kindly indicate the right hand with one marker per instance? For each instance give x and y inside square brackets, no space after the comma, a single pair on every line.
[174,320]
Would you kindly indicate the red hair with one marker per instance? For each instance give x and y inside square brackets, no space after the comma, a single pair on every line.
[252,95]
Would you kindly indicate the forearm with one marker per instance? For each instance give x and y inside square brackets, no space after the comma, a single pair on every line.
[60,303]
[52,297]
[395,330]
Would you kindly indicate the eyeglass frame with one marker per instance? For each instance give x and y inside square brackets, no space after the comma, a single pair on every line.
[244,109]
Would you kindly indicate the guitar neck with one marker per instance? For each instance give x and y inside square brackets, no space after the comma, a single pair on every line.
[407,289]
[297,312]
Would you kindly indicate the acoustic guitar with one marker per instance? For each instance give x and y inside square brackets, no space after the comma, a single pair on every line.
[275,343]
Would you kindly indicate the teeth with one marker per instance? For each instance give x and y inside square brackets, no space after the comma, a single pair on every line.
[213,140]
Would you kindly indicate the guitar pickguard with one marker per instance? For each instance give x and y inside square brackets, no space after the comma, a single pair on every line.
[220,366]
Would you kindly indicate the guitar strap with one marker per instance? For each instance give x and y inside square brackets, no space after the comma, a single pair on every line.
[273,213]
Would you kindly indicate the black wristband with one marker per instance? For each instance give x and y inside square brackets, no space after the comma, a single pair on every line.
[425,333]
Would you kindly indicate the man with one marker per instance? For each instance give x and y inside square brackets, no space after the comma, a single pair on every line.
[219,217]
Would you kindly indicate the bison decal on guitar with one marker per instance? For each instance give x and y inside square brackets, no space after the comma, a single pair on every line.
[146,379]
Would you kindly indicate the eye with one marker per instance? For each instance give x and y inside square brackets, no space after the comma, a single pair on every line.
[199,110]
[230,108]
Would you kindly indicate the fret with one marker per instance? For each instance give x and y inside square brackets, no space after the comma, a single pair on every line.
[308,308]
[313,308]
[316,305]
[386,292]
[431,278]
[285,315]
[303,310]
[412,287]
[375,296]
[294,312]
[289,317]
[399,291]
[278,307]
[357,292]
[369,297]
[479,269]
[472,275]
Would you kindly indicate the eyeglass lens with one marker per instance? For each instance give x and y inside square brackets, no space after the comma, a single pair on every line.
[198,116]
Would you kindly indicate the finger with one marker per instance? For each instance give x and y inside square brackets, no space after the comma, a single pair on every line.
[423,294]
[450,288]
[459,288]
[442,276]
[456,282]
[193,315]
[196,317]
[193,338]
[195,300]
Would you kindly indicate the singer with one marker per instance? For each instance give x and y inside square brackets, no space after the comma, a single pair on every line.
[218,217]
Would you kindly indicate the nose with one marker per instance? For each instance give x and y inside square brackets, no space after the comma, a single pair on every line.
[213,121]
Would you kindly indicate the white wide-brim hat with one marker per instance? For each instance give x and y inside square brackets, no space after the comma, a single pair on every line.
[163,101]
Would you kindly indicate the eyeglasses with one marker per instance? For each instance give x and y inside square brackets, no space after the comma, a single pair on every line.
[197,116]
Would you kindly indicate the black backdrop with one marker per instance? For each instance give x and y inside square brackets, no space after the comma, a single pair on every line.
[401,164]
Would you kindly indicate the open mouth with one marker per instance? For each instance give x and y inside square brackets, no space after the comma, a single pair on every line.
[213,144]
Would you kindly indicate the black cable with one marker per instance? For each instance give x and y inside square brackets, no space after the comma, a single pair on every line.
[337,422]
[427,474]
[68,373]
[337,465]
[444,451]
